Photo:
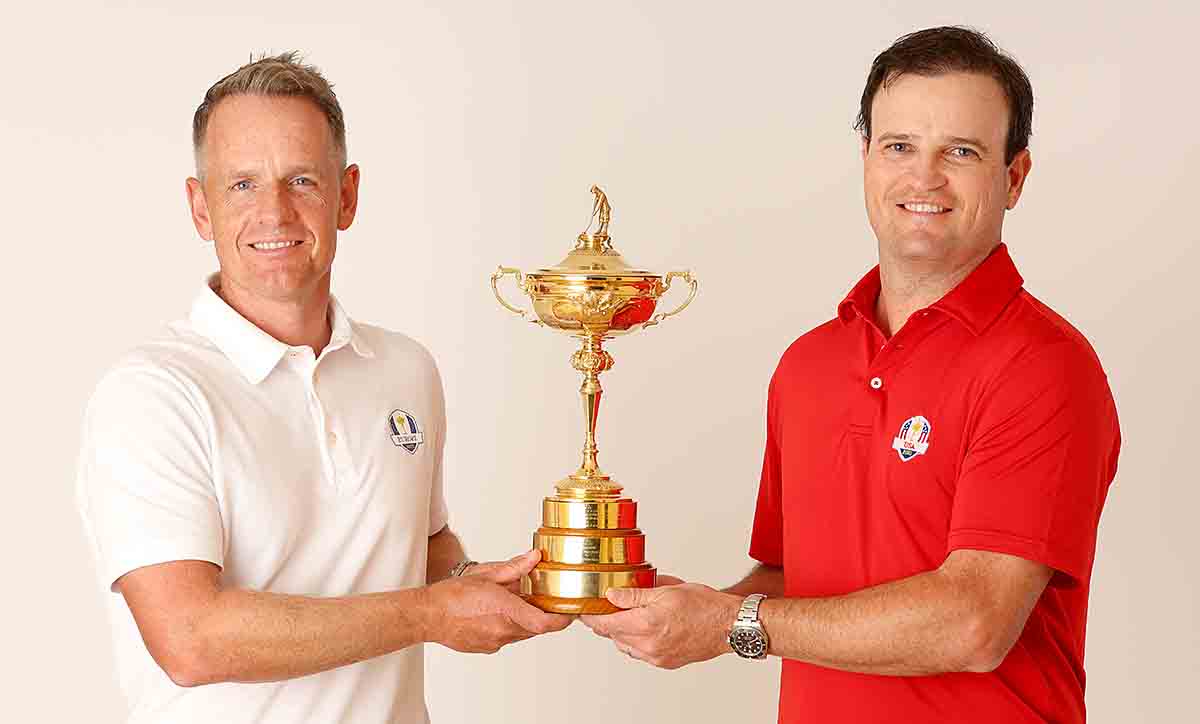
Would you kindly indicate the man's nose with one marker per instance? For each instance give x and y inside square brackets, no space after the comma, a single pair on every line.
[276,205]
[927,171]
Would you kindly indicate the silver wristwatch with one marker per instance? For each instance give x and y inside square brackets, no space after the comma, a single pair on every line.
[461,567]
[748,638]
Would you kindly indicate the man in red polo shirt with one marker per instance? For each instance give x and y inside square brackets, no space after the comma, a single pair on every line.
[937,455]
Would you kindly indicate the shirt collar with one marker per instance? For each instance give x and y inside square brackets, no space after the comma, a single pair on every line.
[860,302]
[976,302]
[254,352]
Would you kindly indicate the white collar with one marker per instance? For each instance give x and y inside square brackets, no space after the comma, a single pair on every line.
[254,352]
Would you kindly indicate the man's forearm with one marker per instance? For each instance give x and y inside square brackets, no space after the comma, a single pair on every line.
[445,552]
[762,579]
[251,636]
[911,627]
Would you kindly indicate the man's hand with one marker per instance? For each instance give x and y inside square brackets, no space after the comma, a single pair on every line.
[506,573]
[479,612]
[670,626]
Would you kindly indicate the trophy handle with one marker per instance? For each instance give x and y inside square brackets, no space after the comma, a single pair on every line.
[502,272]
[687,277]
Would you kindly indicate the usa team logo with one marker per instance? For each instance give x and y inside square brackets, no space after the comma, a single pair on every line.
[913,439]
[405,431]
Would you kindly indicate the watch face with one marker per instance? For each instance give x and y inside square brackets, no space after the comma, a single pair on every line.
[748,642]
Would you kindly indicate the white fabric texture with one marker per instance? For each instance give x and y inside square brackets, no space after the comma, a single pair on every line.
[294,474]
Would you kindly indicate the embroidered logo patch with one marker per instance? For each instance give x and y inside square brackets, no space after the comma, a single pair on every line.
[913,439]
[405,431]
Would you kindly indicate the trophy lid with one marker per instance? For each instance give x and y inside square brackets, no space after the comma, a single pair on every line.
[594,255]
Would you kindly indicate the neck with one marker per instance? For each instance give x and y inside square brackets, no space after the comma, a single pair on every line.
[907,286]
[301,322]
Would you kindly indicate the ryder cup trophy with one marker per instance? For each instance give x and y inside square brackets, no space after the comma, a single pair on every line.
[589,537]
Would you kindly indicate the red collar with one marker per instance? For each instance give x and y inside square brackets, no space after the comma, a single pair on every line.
[976,302]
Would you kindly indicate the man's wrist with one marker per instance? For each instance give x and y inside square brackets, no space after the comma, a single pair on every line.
[748,636]
[426,612]
[731,603]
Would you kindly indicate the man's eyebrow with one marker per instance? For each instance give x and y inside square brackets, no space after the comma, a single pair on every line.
[893,137]
[301,170]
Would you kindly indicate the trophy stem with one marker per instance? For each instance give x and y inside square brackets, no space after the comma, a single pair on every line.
[591,392]
[589,481]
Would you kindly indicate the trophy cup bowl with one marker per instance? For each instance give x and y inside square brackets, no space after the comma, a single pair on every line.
[589,538]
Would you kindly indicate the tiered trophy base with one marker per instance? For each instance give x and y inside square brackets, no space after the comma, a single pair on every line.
[588,546]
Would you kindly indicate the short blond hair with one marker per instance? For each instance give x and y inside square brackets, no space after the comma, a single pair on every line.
[273,75]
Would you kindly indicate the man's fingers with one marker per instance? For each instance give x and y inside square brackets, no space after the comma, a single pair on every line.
[537,621]
[507,572]
[630,648]
[596,623]
[665,580]
[621,623]
[630,597]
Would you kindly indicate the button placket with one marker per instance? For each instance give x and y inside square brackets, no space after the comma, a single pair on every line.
[324,436]
[334,446]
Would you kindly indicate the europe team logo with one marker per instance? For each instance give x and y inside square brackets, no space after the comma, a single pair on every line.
[405,431]
[913,439]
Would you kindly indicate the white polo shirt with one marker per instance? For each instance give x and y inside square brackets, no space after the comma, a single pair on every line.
[294,474]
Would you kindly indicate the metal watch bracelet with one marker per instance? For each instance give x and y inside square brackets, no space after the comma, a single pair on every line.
[461,567]
[747,637]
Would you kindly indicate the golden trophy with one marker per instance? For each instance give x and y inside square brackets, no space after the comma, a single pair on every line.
[589,537]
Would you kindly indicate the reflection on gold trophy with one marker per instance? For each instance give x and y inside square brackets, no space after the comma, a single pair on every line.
[589,537]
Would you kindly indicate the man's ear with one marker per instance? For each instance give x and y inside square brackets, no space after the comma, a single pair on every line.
[1017,172]
[348,198]
[865,145]
[198,205]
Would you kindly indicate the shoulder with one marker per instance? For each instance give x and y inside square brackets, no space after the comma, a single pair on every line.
[812,347]
[1032,362]
[1031,334]
[396,353]
[174,370]
[393,345]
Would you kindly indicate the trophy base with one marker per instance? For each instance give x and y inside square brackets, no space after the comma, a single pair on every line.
[573,606]
[588,547]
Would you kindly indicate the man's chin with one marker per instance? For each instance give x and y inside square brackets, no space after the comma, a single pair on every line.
[920,247]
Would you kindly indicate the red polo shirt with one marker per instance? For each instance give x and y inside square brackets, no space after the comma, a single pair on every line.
[986,423]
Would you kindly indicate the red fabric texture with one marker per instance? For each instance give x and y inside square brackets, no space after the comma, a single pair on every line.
[1022,443]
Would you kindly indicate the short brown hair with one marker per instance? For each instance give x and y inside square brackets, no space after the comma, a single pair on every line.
[273,75]
[954,49]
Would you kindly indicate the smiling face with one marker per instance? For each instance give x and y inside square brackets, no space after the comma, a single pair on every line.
[934,175]
[272,198]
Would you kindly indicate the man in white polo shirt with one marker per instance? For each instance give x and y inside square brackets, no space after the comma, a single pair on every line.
[262,483]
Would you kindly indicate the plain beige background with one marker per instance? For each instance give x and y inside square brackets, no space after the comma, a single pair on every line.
[723,134]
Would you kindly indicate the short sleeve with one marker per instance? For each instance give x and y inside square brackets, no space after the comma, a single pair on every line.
[144,485]
[439,511]
[1040,458]
[766,540]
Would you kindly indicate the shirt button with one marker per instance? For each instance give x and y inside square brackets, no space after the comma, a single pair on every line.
[876,383]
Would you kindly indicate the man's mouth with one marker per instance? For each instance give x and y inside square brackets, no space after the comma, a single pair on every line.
[273,245]
[924,208]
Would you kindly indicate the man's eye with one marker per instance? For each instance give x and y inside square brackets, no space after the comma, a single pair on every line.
[898,147]
[962,152]
[302,181]
[241,186]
